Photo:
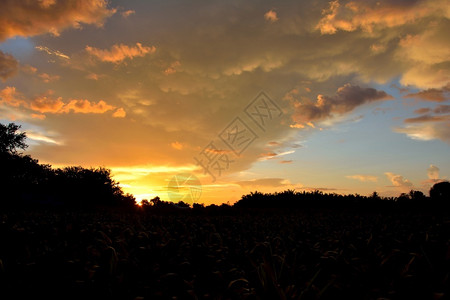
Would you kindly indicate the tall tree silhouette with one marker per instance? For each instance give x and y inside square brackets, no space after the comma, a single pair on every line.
[11,139]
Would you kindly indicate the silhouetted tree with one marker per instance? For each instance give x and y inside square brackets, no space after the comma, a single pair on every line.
[198,205]
[145,203]
[156,201]
[404,197]
[24,181]
[182,204]
[416,195]
[10,139]
[80,186]
[375,196]
[440,192]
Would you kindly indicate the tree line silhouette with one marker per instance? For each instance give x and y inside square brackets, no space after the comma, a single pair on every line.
[289,199]
[26,183]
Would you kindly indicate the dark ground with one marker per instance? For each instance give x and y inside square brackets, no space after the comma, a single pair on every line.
[241,255]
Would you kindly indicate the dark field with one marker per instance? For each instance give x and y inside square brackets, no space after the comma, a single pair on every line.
[265,255]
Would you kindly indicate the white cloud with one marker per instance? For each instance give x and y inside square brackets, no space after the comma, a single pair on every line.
[399,182]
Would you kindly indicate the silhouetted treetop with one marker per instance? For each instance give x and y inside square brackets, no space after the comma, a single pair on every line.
[441,191]
[11,139]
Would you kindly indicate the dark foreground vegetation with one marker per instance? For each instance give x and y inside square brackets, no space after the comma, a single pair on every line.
[265,255]
[72,233]
[24,182]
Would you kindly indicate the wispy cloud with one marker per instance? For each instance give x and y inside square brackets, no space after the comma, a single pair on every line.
[272,182]
[427,131]
[120,52]
[363,178]
[127,13]
[39,137]
[427,118]
[431,124]
[272,155]
[52,52]
[435,95]
[286,161]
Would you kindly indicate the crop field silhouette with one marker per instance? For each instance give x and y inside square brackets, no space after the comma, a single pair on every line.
[239,255]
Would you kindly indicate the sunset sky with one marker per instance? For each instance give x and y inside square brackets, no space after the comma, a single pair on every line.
[340,96]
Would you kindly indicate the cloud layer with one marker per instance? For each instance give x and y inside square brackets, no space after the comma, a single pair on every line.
[159,81]
[32,18]
[8,65]
[47,103]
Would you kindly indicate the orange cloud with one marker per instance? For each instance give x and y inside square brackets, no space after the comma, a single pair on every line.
[271,16]
[44,104]
[86,107]
[172,68]
[29,69]
[119,113]
[38,116]
[93,76]
[119,53]
[286,161]
[177,145]
[48,104]
[427,118]
[127,13]
[368,15]
[8,65]
[423,110]
[268,154]
[11,97]
[296,125]
[30,18]
[435,95]
[48,78]
[217,151]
